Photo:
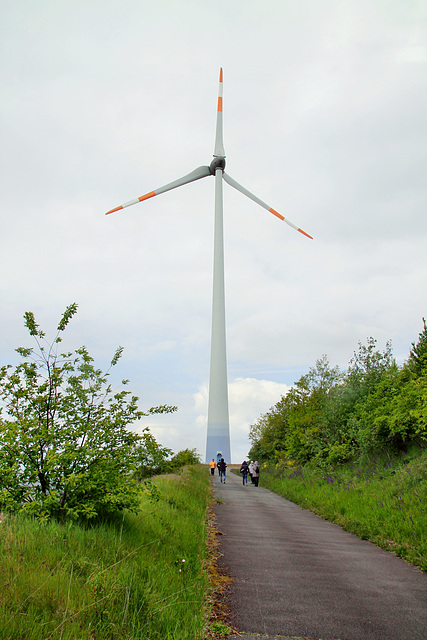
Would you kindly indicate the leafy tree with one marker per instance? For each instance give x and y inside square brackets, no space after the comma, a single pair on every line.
[309,429]
[163,460]
[372,416]
[328,417]
[394,414]
[65,444]
[154,458]
[268,433]
[184,458]
[417,362]
[302,441]
[322,377]
[297,426]
[368,366]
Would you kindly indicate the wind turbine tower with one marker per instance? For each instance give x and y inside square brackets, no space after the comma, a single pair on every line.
[218,429]
[218,433]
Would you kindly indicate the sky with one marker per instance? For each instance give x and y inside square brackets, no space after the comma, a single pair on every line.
[325,118]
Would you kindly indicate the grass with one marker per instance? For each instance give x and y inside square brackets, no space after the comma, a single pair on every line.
[141,577]
[153,575]
[382,500]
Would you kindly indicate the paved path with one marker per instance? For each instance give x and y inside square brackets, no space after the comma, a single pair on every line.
[298,576]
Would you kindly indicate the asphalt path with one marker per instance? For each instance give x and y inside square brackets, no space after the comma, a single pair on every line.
[298,576]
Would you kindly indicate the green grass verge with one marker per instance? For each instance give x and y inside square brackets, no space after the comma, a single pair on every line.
[142,577]
[382,500]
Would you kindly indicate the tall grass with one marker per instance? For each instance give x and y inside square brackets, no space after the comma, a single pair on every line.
[382,500]
[141,577]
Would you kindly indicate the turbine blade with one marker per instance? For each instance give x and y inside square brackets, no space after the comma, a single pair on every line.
[219,146]
[250,195]
[200,172]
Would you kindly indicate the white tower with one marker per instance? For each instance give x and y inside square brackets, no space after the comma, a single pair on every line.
[218,434]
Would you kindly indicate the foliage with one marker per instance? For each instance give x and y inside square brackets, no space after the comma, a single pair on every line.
[121,579]
[184,458]
[65,444]
[417,362]
[165,461]
[154,458]
[368,366]
[221,629]
[329,416]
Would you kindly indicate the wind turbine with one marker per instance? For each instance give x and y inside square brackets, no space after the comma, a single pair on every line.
[218,432]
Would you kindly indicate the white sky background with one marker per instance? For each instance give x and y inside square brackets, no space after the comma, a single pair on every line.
[325,118]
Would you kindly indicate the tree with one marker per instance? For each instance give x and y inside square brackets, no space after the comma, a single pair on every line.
[311,430]
[154,458]
[417,362]
[369,366]
[185,457]
[327,416]
[65,444]
[262,439]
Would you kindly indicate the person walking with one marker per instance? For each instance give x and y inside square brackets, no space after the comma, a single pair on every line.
[255,473]
[251,470]
[222,465]
[244,470]
[212,466]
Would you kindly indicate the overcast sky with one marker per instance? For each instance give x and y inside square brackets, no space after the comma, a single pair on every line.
[325,119]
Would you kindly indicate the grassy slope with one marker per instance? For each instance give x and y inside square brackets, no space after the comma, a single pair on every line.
[127,580]
[382,500]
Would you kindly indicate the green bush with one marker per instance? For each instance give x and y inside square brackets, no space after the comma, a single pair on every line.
[184,458]
[330,417]
[65,444]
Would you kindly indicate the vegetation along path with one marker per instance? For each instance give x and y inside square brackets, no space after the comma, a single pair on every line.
[296,575]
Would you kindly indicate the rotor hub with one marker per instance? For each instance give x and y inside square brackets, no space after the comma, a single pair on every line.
[217,163]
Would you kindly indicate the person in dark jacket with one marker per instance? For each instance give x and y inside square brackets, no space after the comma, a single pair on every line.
[222,465]
[244,470]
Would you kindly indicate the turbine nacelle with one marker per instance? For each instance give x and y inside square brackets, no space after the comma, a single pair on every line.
[217,163]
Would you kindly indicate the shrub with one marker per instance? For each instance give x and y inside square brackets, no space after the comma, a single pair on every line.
[65,444]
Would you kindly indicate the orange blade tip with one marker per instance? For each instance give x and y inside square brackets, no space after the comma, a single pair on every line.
[113,210]
[220,74]
[305,234]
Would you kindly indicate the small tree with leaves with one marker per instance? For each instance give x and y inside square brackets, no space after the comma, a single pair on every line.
[65,444]
[185,457]
[417,362]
